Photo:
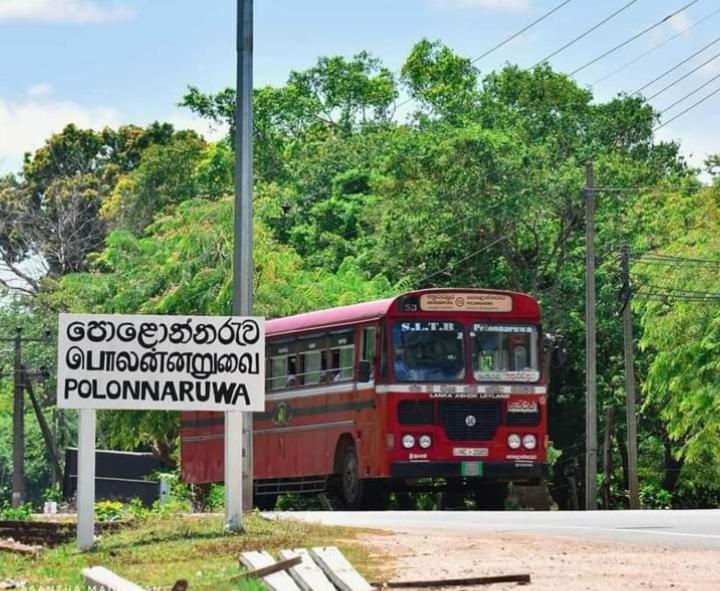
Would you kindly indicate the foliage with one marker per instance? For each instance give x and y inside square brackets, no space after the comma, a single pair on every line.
[683,336]
[109,510]
[654,497]
[22,512]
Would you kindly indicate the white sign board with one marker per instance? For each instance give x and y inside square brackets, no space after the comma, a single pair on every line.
[202,363]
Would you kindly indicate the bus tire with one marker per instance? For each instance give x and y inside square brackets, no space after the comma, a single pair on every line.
[351,486]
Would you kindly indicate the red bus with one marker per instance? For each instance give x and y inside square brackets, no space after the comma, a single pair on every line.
[433,389]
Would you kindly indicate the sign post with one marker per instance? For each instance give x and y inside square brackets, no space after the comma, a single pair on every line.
[119,362]
[86,480]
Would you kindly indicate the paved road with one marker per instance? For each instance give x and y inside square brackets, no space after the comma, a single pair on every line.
[687,529]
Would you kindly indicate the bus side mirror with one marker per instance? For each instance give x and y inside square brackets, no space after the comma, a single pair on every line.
[364,371]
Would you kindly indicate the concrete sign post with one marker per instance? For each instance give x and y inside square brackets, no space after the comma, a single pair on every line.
[120,362]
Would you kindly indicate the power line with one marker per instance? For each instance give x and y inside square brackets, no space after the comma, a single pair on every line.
[683,77]
[586,33]
[689,94]
[636,36]
[503,42]
[675,67]
[679,259]
[658,46]
[690,108]
[520,32]
[471,255]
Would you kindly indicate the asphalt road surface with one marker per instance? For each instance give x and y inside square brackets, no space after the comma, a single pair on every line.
[698,529]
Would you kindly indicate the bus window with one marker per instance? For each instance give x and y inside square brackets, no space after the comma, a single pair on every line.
[368,348]
[282,370]
[428,351]
[342,357]
[504,353]
[312,360]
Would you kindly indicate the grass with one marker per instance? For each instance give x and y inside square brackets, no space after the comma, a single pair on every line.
[157,552]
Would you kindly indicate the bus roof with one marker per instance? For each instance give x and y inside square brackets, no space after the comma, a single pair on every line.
[525,306]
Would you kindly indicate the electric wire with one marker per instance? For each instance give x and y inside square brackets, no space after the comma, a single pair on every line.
[676,66]
[675,259]
[690,108]
[633,38]
[683,77]
[586,33]
[520,32]
[471,255]
[656,47]
[691,93]
[503,42]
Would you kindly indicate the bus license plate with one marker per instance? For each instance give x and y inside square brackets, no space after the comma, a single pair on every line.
[471,468]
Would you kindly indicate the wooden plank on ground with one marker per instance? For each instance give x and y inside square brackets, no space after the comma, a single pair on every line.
[339,570]
[99,578]
[18,548]
[519,579]
[278,581]
[308,575]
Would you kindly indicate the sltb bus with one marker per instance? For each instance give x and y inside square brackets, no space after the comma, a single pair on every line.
[434,388]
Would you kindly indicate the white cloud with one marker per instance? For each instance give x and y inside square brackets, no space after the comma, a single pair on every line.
[511,5]
[62,11]
[680,22]
[26,125]
[38,90]
[211,133]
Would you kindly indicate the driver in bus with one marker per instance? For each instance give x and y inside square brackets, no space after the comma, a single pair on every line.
[401,369]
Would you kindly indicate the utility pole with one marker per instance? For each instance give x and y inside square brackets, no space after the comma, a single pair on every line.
[590,344]
[238,428]
[20,382]
[633,483]
[18,481]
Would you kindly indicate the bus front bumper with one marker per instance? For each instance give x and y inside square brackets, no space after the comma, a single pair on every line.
[508,471]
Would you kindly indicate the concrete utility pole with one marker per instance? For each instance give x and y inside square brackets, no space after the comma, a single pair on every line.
[238,429]
[633,483]
[590,344]
[18,481]
[20,382]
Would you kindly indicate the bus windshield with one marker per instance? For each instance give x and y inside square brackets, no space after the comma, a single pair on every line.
[504,353]
[428,351]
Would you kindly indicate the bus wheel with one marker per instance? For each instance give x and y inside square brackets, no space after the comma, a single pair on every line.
[351,487]
[491,496]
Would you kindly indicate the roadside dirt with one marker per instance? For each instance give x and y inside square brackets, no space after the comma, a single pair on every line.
[554,563]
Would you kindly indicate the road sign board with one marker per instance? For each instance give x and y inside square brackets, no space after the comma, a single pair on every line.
[143,362]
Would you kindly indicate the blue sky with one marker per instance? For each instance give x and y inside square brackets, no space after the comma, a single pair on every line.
[100,62]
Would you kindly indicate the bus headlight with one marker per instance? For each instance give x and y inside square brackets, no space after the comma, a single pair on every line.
[513,441]
[529,441]
[408,441]
[425,441]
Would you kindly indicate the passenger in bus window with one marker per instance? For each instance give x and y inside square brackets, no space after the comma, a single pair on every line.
[292,376]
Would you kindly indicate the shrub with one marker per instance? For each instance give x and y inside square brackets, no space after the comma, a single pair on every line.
[109,510]
[21,513]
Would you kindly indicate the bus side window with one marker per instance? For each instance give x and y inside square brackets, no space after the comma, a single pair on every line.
[282,368]
[342,356]
[368,348]
[313,363]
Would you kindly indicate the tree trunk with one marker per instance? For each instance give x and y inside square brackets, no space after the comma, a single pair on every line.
[673,467]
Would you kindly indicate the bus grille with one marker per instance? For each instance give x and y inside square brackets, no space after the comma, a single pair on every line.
[453,415]
[415,412]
